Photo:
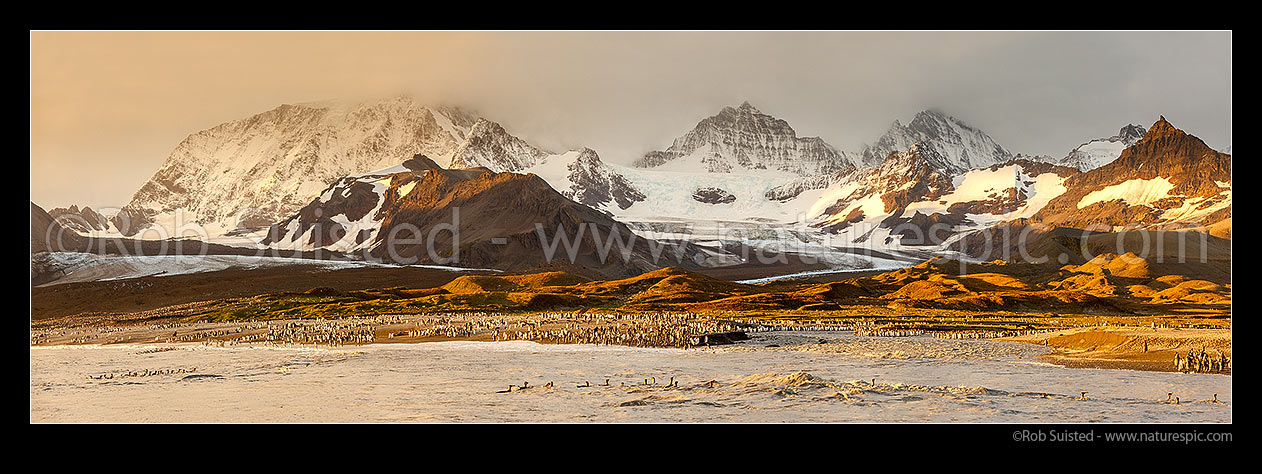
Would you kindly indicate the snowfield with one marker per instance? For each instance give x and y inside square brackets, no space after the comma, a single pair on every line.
[669,194]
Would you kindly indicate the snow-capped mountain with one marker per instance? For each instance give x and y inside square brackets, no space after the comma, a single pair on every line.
[1102,151]
[252,172]
[1166,180]
[742,139]
[490,146]
[961,146]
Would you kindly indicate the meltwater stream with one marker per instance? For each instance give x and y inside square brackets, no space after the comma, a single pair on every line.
[776,377]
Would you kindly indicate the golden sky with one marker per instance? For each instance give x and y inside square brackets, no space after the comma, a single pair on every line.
[108,107]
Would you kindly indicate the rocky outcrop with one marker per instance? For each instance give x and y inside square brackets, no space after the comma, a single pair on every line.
[593,184]
[923,230]
[713,196]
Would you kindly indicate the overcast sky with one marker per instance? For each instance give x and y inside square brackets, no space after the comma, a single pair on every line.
[107,108]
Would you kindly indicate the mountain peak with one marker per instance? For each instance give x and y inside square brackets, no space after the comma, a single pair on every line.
[586,154]
[936,116]
[933,112]
[1161,128]
[960,146]
[486,126]
[744,138]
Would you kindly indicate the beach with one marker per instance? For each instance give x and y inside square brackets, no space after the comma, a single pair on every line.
[847,378]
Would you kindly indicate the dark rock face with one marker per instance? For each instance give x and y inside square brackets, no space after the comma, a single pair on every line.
[1001,202]
[251,219]
[594,185]
[420,162]
[747,138]
[923,230]
[1130,133]
[1032,168]
[713,196]
[919,166]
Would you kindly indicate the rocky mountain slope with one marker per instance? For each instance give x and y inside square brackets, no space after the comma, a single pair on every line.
[490,146]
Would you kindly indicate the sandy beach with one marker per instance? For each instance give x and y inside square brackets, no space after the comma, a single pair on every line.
[1128,347]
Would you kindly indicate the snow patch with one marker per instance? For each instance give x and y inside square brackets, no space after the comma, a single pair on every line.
[406,189]
[1135,192]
